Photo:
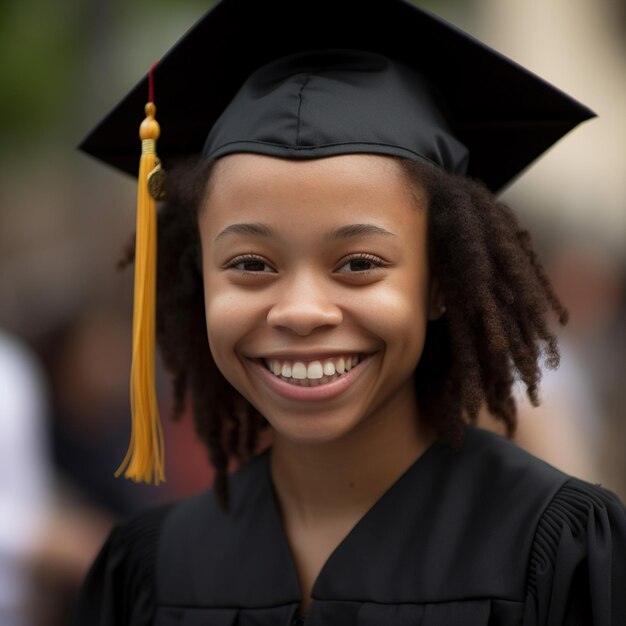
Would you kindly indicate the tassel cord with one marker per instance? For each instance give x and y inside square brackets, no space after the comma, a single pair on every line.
[144,460]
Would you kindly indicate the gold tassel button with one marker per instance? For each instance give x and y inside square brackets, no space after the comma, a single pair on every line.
[149,128]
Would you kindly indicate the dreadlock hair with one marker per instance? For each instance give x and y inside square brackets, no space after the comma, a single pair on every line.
[496,292]
[497,296]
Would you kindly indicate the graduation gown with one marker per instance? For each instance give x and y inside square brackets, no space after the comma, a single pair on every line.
[483,535]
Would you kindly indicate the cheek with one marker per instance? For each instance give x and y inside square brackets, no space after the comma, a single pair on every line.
[397,321]
[397,308]
[226,321]
[398,316]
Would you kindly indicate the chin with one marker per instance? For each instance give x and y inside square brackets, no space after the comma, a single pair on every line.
[310,430]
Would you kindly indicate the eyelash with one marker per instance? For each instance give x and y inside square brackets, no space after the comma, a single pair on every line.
[357,256]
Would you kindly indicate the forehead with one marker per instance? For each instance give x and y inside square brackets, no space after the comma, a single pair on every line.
[345,188]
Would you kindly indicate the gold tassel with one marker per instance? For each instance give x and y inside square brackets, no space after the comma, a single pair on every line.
[145,458]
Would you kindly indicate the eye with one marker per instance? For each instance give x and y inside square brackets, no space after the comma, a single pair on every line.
[249,263]
[361,263]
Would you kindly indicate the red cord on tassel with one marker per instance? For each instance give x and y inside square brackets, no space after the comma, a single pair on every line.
[151,82]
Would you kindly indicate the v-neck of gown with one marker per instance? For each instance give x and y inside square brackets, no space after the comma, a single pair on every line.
[243,558]
[326,571]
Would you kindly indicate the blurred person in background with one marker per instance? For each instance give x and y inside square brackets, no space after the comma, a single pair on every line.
[45,546]
[25,475]
[614,395]
[586,276]
[89,364]
[572,428]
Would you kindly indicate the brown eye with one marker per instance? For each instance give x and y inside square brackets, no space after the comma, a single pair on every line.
[361,263]
[251,266]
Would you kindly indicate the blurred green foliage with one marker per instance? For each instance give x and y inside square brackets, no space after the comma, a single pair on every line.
[48,47]
[39,47]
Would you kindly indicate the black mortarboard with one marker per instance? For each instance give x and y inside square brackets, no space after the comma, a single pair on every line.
[316,78]
[503,114]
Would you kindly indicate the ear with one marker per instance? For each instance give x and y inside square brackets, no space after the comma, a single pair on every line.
[436,306]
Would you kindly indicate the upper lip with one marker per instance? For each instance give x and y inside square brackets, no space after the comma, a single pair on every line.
[310,356]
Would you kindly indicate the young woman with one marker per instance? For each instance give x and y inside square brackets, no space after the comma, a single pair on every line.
[329,270]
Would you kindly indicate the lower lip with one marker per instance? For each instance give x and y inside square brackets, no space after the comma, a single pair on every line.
[327,391]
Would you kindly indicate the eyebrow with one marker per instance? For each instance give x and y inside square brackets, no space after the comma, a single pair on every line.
[357,230]
[345,232]
[256,228]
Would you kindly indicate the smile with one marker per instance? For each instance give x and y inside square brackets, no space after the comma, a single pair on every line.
[307,380]
[312,373]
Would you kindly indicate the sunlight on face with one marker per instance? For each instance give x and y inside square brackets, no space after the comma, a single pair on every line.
[316,289]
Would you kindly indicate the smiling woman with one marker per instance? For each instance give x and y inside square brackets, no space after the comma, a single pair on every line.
[293,290]
[329,270]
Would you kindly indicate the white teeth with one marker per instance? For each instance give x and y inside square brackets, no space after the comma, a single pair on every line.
[298,371]
[329,368]
[314,370]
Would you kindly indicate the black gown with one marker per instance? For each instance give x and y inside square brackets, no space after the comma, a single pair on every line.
[484,535]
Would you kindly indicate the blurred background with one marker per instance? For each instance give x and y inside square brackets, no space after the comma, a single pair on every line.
[65,311]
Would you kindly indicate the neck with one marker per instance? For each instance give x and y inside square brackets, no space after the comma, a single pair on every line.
[344,477]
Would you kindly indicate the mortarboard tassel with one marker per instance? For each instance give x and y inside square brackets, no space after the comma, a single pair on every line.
[145,458]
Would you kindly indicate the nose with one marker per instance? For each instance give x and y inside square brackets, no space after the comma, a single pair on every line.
[304,304]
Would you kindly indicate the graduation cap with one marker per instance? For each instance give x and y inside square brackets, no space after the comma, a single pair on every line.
[310,79]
